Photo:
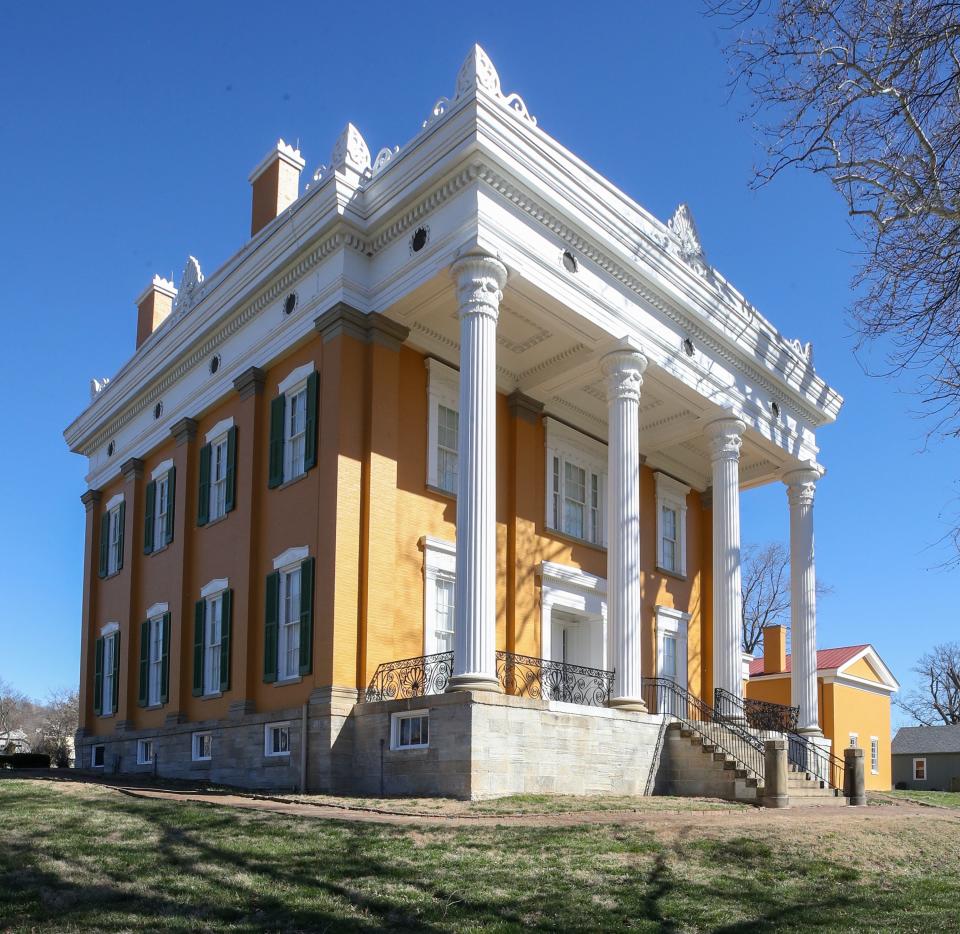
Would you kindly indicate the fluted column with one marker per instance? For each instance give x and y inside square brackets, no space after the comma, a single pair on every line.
[479,279]
[801,485]
[726,436]
[623,369]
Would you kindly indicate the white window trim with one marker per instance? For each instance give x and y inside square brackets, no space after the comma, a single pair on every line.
[218,430]
[874,740]
[439,562]
[158,609]
[93,756]
[443,388]
[568,588]
[194,745]
[283,626]
[212,588]
[141,745]
[113,502]
[571,445]
[922,759]
[673,622]
[395,728]
[856,741]
[267,729]
[291,557]
[295,377]
[672,494]
[162,468]
[109,629]
[154,665]
[213,689]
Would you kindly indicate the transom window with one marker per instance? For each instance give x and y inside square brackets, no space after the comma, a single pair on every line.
[410,730]
[115,553]
[919,770]
[443,429]
[218,477]
[671,524]
[155,661]
[576,481]
[202,746]
[276,741]
[212,637]
[295,433]
[288,657]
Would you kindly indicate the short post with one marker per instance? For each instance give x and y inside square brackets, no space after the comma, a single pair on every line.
[775,791]
[854,786]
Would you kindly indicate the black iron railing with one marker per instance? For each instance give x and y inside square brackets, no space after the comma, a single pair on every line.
[526,676]
[663,696]
[802,752]
[759,715]
[519,675]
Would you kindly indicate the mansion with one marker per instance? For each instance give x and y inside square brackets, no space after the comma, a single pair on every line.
[433,487]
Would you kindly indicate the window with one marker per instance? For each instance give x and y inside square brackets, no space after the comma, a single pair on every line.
[212,634]
[671,524]
[919,770]
[211,639]
[155,660]
[116,542]
[293,426]
[218,478]
[202,747]
[672,626]
[276,741]
[111,536]
[854,740]
[410,730]
[111,661]
[289,633]
[145,752]
[874,755]
[161,507]
[443,428]
[98,756]
[444,614]
[576,481]
[670,657]
[439,594]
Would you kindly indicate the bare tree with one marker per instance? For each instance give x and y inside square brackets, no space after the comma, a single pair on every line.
[937,700]
[12,703]
[867,93]
[765,589]
[61,715]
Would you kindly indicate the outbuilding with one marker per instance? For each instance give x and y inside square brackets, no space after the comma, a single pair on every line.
[927,757]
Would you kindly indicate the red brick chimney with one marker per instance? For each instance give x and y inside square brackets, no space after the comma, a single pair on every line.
[153,307]
[276,184]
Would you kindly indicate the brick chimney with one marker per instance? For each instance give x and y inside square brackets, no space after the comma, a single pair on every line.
[153,306]
[276,184]
[774,649]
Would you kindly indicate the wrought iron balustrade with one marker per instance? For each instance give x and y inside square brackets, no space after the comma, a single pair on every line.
[758,714]
[519,675]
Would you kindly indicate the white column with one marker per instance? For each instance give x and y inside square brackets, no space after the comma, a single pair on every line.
[801,485]
[623,369]
[726,437]
[479,279]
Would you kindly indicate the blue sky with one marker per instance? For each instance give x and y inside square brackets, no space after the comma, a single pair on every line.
[126,138]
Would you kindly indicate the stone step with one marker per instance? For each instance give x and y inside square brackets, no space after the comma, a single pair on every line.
[818,802]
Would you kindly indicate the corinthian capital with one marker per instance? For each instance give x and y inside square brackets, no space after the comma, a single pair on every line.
[726,437]
[802,484]
[480,279]
[623,369]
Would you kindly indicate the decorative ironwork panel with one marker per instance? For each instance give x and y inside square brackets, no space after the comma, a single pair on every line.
[759,715]
[539,678]
[411,677]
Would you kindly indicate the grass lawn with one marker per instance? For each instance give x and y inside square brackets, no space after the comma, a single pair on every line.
[83,857]
[945,799]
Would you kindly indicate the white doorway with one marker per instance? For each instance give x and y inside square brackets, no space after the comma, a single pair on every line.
[573,616]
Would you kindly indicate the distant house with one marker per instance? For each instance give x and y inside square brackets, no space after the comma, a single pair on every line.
[854,688]
[12,741]
[927,757]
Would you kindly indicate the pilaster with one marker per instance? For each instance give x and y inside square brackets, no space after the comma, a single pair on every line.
[91,502]
[623,369]
[132,471]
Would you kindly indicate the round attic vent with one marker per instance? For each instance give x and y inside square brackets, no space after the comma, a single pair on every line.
[419,239]
[569,261]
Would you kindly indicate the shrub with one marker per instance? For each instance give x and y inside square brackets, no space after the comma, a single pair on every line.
[29,760]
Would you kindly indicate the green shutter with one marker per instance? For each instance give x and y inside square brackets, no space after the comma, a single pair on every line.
[98,679]
[123,524]
[231,477]
[199,614]
[226,629]
[171,499]
[306,616]
[165,660]
[149,515]
[143,698]
[310,440]
[271,629]
[203,503]
[277,409]
[104,543]
[116,665]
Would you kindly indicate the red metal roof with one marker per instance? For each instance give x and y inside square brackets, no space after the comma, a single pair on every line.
[826,658]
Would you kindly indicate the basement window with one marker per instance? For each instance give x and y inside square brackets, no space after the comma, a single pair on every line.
[145,752]
[410,730]
[276,739]
[98,756]
[202,747]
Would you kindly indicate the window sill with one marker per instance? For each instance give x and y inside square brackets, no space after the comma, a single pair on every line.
[213,696]
[216,521]
[440,491]
[410,748]
[563,536]
[156,706]
[676,575]
[295,480]
[111,574]
[274,756]
[161,549]
[282,682]
[106,716]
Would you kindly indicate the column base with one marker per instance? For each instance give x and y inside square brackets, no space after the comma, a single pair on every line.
[628,703]
[474,682]
[814,732]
